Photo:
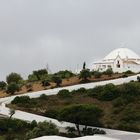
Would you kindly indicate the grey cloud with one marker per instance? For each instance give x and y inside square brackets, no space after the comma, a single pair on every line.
[64,33]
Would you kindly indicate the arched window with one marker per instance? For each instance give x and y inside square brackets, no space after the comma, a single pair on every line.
[118,64]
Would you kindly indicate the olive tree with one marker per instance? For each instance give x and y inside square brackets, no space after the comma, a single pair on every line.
[2,85]
[14,78]
[81,115]
[84,75]
[57,80]
[12,88]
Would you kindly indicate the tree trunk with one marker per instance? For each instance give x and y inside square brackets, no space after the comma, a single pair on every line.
[85,132]
[78,129]
[11,116]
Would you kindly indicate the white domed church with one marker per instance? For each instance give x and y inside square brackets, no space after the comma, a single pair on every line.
[120,60]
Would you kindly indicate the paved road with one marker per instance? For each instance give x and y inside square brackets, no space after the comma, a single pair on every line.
[30,117]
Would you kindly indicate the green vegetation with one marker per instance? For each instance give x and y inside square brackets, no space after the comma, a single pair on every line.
[119,104]
[81,114]
[11,129]
[109,72]
[24,101]
[64,93]
[32,78]
[43,129]
[2,85]
[57,80]
[41,79]
[84,75]
[45,83]
[14,78]
[12,88]
[40,73]
[97,74]
[64,74]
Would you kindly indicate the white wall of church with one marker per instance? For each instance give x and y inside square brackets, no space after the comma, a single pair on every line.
[115,68]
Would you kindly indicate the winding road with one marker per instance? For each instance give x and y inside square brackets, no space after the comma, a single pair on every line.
[4,111]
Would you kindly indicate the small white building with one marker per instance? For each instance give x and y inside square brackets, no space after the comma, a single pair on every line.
[120,60]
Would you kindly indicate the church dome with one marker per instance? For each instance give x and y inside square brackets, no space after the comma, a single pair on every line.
[124,53]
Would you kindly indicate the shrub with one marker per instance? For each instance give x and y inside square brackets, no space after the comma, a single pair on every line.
[81,114]
[43,97]
[84,75]
[98,131]
[2,85]
[14,78]
[124,76]
[128,127]
[32,78]
[40,74]
[64,93]
[130,89]
[138,78]
[43,129]
[107,93]
[109,72]
[79,91]
[12,88]
[90,131]
[119,102]
[22,100]
[97,74]
[128,72]
[64,74]
[13,124]
[57,80]
[45,83]
[52,114]
[33,124]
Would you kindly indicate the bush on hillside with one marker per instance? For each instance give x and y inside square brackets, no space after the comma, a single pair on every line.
[81,114]
[32,78]
[84,75]
[43,97]
[2,85]
[128,127]
[51,114]
[108,92]
[80,91]
[14,78]
[64,93]
[108,72]
[97,74]
[40,74]
[12,88]
[43,129]
[128,72]
[45,83]
[65,74]
[24,101]
[57,80]
[124,76]
[138,78]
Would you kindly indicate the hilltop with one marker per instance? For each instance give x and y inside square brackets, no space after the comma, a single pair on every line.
[41,80]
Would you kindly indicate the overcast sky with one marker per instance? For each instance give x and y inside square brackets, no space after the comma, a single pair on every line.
[64,33]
